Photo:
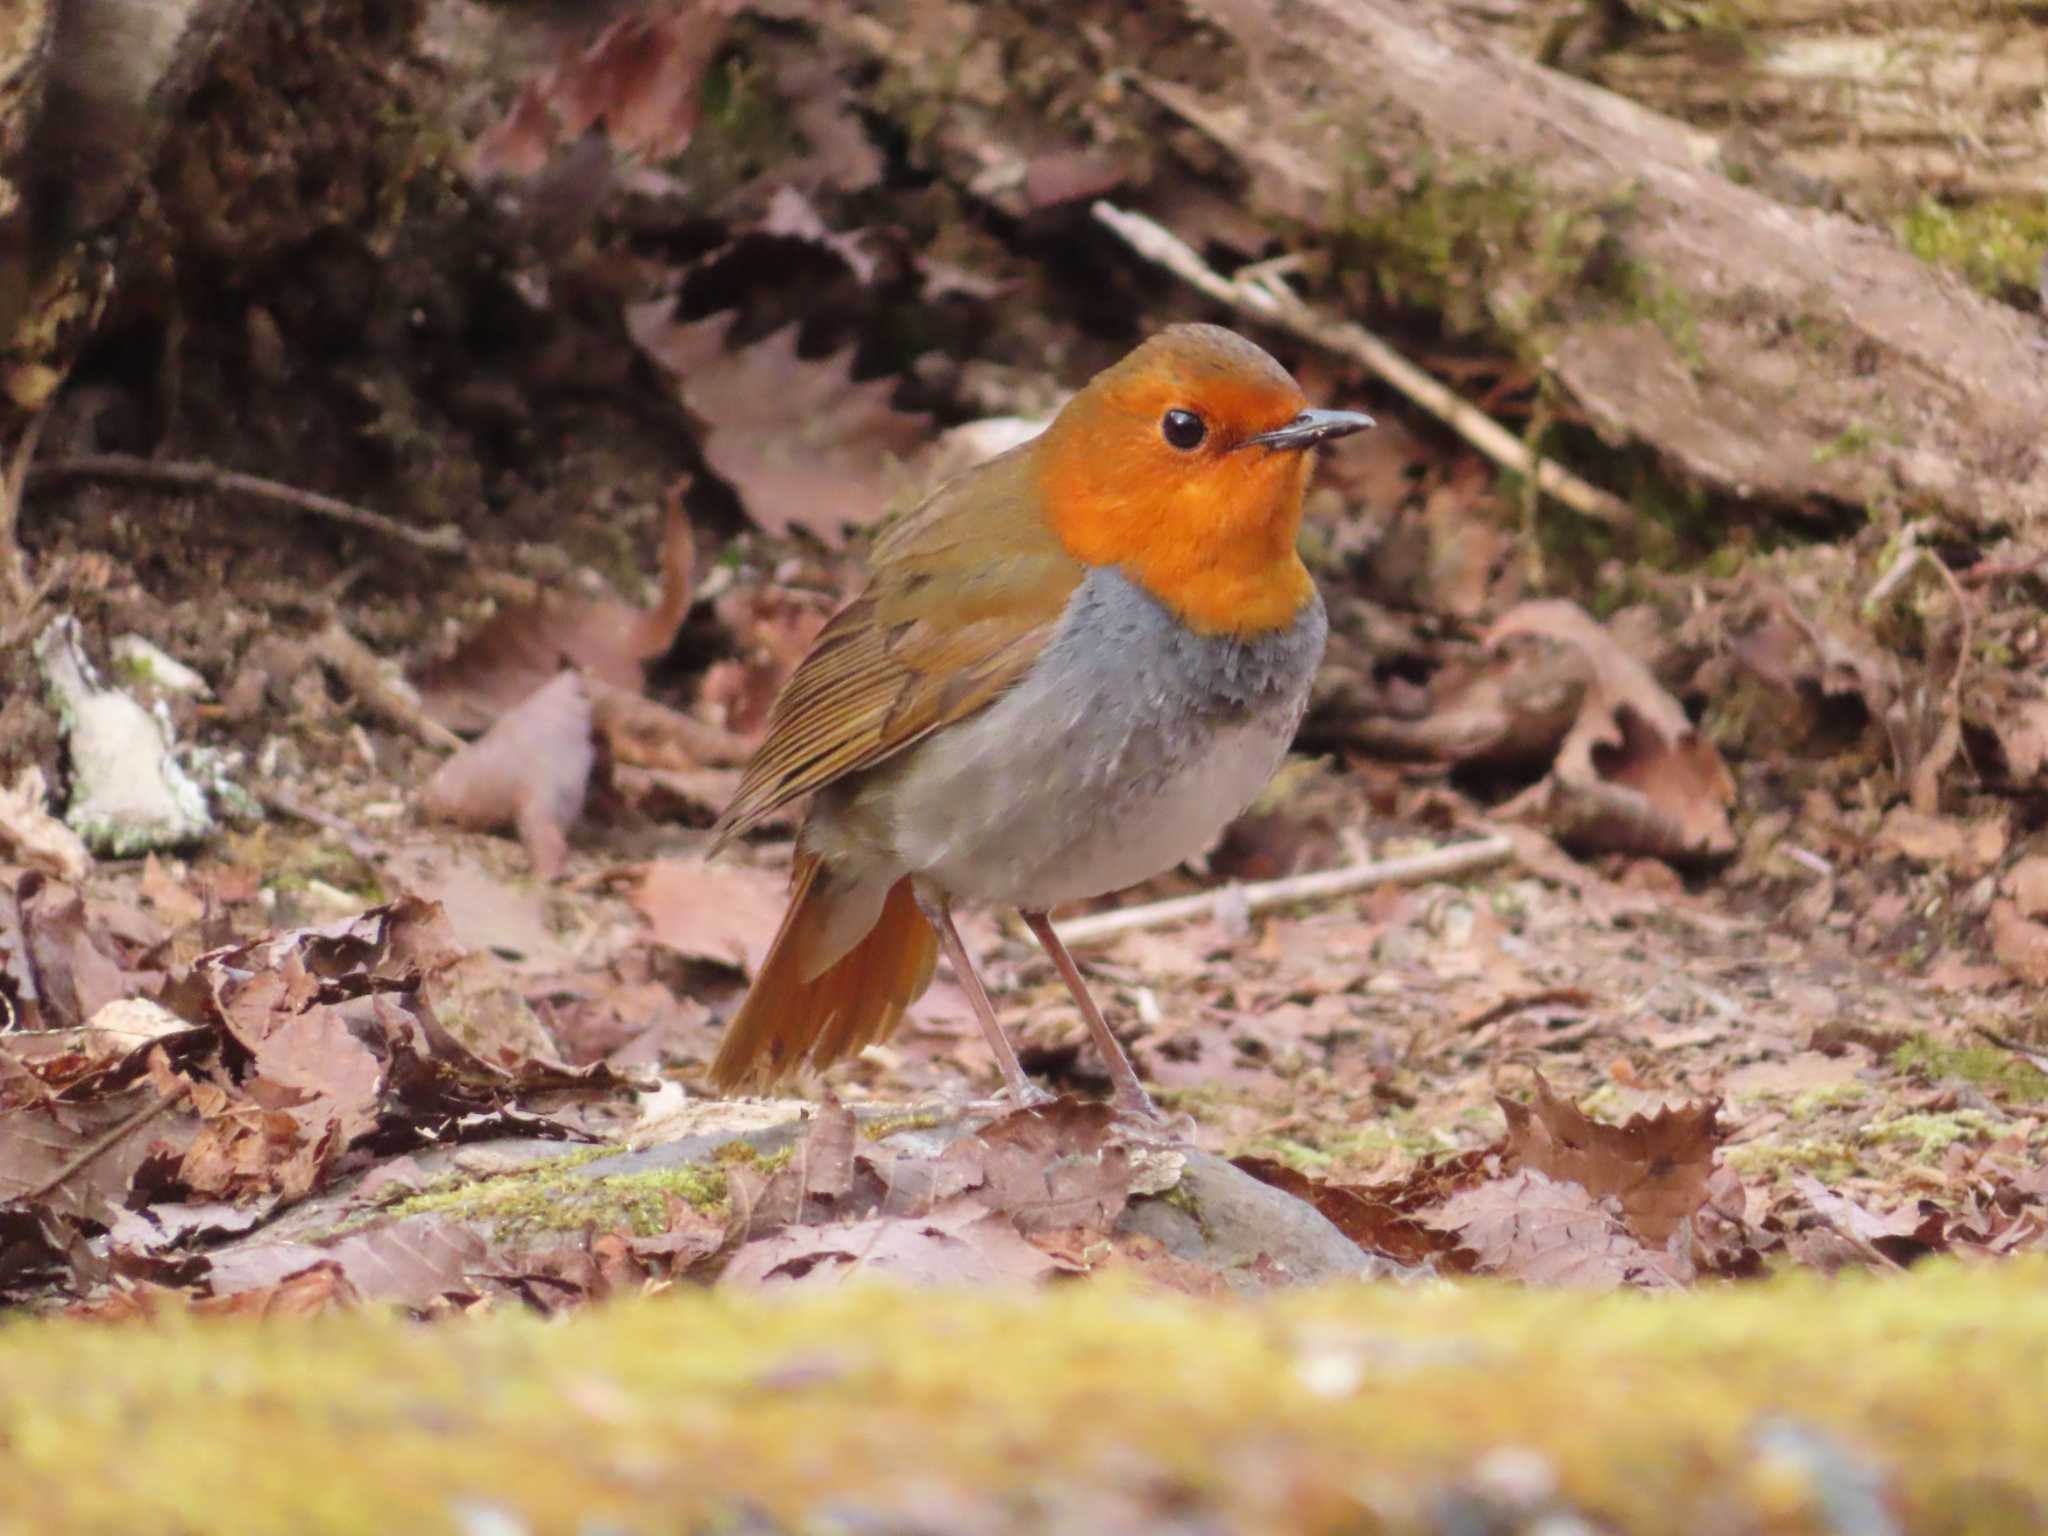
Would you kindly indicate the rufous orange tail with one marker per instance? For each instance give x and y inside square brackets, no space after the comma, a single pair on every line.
[786,1021]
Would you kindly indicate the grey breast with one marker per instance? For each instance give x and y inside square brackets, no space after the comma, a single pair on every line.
[1125,748]
[1129,668]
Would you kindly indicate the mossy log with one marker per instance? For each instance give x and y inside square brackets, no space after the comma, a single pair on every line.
[1899,1403]
[1765,349]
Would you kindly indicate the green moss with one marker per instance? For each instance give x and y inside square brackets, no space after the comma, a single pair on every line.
[1181,1200]
[1353,1147]
[1816,1101]
[1083,1407]
[1930,1135]
[552,1196]
[1731,18]
[1438,233]
[1857,437]
[744,1154]
[1766,1162]
[889,1125]
[1990,1067]
[1645,294]
[743,129]
[1996,246]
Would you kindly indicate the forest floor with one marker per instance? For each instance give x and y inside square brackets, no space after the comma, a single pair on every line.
[1752,990]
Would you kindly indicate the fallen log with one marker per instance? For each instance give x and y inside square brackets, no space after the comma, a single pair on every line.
[1764,350]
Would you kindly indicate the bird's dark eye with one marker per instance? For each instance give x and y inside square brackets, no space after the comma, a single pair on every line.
[1183,429]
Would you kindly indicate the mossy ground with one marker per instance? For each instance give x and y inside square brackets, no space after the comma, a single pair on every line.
[554,1196]
[1089,1407]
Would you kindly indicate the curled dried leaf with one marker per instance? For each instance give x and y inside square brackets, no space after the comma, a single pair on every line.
[1633,774]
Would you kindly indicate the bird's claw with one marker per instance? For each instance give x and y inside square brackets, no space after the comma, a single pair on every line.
[1024,1096]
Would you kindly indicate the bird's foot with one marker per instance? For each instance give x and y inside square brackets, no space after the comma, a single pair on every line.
[1024,1095]
[1137,1103]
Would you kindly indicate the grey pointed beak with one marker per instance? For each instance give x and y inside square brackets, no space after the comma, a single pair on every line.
[1313,427]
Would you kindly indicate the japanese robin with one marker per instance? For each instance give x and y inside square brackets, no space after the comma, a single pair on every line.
[1071,666]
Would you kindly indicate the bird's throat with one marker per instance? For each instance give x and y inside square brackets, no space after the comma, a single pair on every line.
[1218,551]
[1224,592]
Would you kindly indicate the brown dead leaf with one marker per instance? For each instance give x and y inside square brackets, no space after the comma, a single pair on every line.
[524,647]
[317,1288]
[1657,1167]
[723,912]
[1068,176]
[414,1261]
[792,216]
[530,770]
[178,907]
[2020,727]
[70,965]
[643,733]
[1381,1218]
[1898,1239]
[1633,774]
[2027,883]
[802,443]
[2020,943]
[958,1242]
[1053,1167]
[638,80]
[44,1147]
[1512,707]
[29,832]
[1529,1227]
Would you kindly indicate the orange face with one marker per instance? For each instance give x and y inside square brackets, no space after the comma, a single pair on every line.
[1151,468]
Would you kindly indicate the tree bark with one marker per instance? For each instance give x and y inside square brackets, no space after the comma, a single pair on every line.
[88,89]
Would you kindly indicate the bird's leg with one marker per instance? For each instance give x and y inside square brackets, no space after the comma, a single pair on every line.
[940,916]
[1129,1093]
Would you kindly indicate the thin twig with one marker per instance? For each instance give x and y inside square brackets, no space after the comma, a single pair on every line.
[1262,293]
[1437,864]
[171,474]
[363,671]
[285,803]
[92,1153]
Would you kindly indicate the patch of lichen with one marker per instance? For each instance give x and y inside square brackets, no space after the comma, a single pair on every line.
[1990,1067]
[1083,1407]
[1997,246]
[557,1196]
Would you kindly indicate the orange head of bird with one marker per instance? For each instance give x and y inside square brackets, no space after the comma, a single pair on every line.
[1184,466]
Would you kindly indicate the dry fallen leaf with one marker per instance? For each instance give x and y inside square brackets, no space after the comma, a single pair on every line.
[2020,943]
[1529,1227]
[2027,883]
[957,1242]
[1656,1166]
[638,81]
[722,912]
[31,834]
[530,770]
[520,650]
[803,444]
[1633,774]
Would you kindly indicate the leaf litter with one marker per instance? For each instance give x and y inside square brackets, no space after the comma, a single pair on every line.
[1751,994]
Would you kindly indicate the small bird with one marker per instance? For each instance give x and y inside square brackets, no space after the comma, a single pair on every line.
[1071,667]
